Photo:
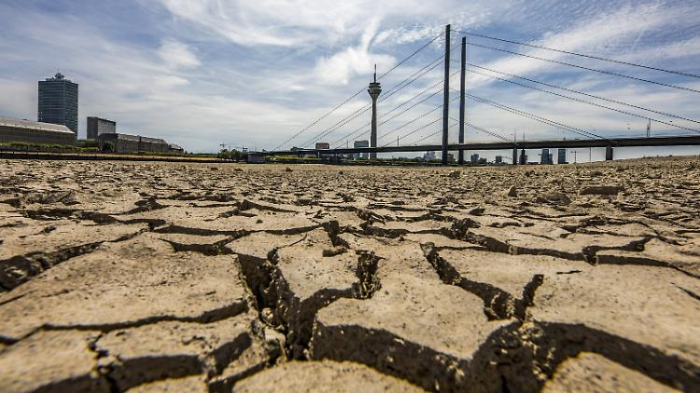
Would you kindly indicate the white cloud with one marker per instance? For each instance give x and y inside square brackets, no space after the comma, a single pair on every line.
[170,81]
[674,50]
[161,92]
[254,73]
[590,35]
[271,22]
[480,13]
[352,61]
[314,22]
[176,54]
[340,67]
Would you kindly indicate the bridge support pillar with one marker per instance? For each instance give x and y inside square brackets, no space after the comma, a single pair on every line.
[446,98]
[608,153]
[462,101]
[515,156]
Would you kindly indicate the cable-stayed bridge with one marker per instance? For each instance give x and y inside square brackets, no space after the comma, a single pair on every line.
[414,119]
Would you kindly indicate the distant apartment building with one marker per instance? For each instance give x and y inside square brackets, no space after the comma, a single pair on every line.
[474,159]
[13,130]
[546,157]
[429,156]
[561,156]
[323,145]
[58,102]
[523,157]
[97,126]
[361,144]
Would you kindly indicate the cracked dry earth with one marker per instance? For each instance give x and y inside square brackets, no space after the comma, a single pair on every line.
[151,277]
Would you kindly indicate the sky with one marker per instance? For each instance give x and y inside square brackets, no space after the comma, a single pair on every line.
[201,73]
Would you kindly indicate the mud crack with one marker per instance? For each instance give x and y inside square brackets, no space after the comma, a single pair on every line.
[498,304]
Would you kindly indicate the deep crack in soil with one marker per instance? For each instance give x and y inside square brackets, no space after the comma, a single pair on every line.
[187,277]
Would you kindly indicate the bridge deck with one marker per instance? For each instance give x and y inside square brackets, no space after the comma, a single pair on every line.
[613,142]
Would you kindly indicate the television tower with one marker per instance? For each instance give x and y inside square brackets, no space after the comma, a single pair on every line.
[375,89]
[649,129]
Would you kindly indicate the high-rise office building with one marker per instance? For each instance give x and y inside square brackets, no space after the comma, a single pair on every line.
[523,157]
[474,158]
[562,156]
[97,126]
[58,102]
[546,157]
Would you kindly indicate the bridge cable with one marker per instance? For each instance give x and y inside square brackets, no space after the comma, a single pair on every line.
[356,94]
[318,120]
[582,55]
[493,134]
[427,137]
[395,90]
[414,120]
[420,129]
[585,94]
[368,131]
[404,125]
[587,102]
[387,113]
[414,77]
[588,69]
[409,56]
[416,130]
[537,118]
[391,93]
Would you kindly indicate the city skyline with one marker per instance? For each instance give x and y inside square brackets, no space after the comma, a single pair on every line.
[200,81]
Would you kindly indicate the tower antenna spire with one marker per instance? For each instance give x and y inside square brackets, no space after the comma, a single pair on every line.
[375,73]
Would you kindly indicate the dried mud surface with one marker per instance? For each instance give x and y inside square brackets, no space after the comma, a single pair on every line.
[157,277]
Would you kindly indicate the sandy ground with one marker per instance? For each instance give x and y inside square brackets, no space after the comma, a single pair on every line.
[200,277]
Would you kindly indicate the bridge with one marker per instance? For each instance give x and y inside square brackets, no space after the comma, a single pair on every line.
[395,123]
[609,144]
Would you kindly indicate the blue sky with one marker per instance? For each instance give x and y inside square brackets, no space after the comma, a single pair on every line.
[252,73]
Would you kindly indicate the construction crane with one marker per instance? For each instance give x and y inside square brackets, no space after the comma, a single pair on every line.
[231,145]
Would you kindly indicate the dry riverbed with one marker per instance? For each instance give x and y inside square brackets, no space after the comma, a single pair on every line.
[201,277]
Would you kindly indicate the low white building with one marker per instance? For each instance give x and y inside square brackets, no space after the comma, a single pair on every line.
[14,130]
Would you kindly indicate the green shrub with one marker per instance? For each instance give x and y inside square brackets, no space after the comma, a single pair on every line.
[108,147]
[233,155]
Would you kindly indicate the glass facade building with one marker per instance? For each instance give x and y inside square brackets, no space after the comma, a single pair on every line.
[58,102]
[561,153]
[546,157]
